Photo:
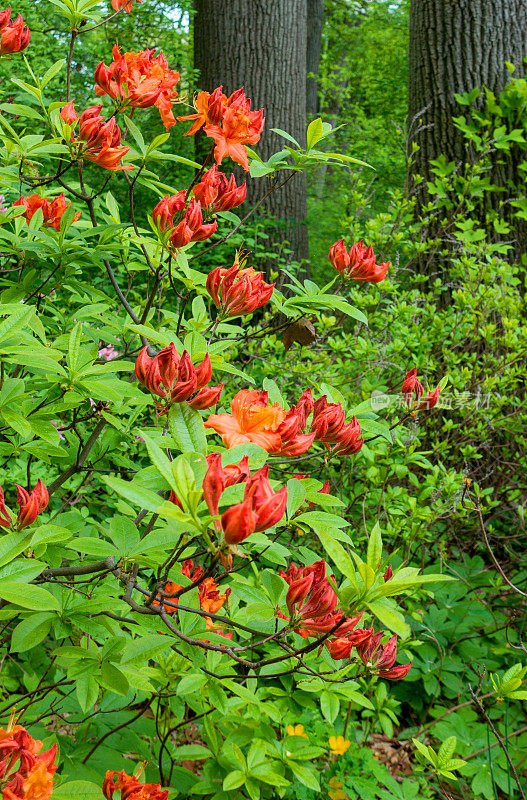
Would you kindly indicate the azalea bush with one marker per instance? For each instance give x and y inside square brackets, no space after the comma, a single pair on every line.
[177,584]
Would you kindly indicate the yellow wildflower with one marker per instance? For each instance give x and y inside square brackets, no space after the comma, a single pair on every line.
[339,744]
[296,730]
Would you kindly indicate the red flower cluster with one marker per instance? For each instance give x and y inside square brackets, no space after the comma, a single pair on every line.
[238,290]
[51,209]
[14,36]
[25,773]
[379,658]
[260,509]
[30,506]
[312,602]
[218,478]
[182,381]
[359,264]
[139,80]
[209,597]
[254,420]
[330,427]
[413,386]
[189,227]
[126,4]
[229,121]
[131,788]
[101,138]
[216,192]
[342,646]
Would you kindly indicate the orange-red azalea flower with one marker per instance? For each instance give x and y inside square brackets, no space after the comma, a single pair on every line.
[239,289]
[229,121]
[25,771]
[51,209]
[14,36]
[31,504]
[209,110]
[252,420]
[98,139]
[139,80]
[131,788]
[359,264]
[126,4]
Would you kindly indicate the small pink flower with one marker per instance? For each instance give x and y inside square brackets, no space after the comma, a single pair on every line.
[61,435]
[108,353]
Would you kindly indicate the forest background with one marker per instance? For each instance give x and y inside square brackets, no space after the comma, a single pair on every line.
[431,95]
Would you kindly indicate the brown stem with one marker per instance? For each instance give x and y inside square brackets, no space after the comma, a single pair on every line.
[500,740]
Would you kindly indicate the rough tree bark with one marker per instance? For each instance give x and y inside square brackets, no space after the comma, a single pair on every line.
[456,45]
[315,24]
[261,45]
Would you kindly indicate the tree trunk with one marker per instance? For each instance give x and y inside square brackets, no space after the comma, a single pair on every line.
[261,45]
[315,25]
[455,46]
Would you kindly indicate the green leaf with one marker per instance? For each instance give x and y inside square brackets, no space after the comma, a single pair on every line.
[315,132]
[446,751]
[296,496]
[52,72]
[87,690]
[374,553]
[304,775]
[389,617]
[191,683]
[80,790]
[112,678]
[74,346]
[338,555]
[21,110]
[233,780]
[92,546]
[330,706]
[286,135]
[192,752]
[146,647]
[28,596]
[15,321]
[187,429]
[30,632]
[264,773]
[12,545]
[160,461]
[17,422]
[134,493]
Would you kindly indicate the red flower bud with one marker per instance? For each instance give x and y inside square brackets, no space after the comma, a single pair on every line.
[204,372]
[164,212]
[430,400]
[214,482]
[298,591]
[31,505]
[143,363]
[411,384]
[338,255]
[396,673]
[388,574]
[5,519]
[339,648]
[206,397]
[238,522]
[68,113]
